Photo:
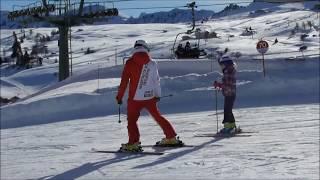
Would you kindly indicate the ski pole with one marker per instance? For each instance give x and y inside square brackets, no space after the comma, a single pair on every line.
[119,113]
[217,110]
[170,95]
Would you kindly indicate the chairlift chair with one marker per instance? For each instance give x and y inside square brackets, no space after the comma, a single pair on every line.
[194,52]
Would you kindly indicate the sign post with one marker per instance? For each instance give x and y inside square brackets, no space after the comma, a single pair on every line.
[262,48]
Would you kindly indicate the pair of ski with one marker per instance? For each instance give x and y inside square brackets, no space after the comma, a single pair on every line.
[238,133]
[143,152]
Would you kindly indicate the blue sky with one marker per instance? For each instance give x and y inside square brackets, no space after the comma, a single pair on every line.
[126,6]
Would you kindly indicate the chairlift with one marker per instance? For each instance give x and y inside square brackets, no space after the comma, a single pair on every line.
[185,50]
[188,51]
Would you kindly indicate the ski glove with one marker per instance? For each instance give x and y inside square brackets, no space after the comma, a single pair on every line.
[217,85]
[119,101]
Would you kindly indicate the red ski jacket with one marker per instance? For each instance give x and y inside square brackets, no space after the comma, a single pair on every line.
[141,73]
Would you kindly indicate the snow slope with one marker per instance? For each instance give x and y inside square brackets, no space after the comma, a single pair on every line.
[49,133]
[285,146]
[286,83]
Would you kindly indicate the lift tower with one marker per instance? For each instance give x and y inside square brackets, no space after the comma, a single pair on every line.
[64,15]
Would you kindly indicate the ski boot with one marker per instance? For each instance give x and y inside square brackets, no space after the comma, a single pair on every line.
[136,147]
[170,142]
[229,129]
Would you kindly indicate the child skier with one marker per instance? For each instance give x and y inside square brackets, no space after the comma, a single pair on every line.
[228,86]
[141,72]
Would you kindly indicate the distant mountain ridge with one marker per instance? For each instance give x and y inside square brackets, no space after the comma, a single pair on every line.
[173,16]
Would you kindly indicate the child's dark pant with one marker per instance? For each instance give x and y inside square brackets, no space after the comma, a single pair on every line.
[228,105]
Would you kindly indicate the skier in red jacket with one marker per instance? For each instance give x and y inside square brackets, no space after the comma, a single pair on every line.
[141,73]
[228,86]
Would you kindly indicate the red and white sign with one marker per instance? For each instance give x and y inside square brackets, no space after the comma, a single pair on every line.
[262,46]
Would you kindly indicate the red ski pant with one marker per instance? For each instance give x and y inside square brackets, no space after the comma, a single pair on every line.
[134,108]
